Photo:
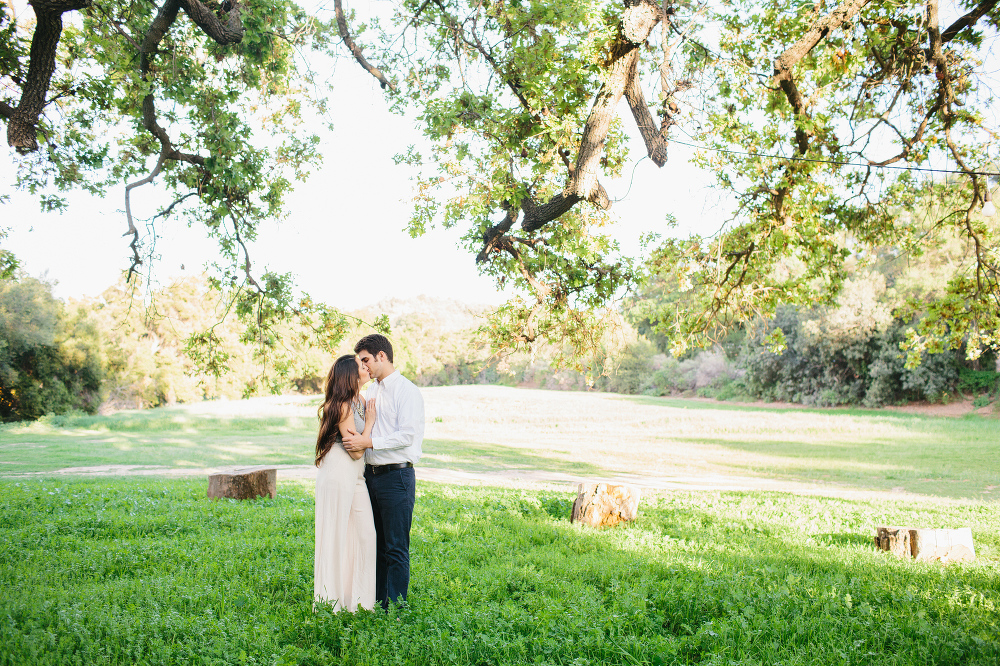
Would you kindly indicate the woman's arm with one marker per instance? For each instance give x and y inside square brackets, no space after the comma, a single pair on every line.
[346,427]
[359,443]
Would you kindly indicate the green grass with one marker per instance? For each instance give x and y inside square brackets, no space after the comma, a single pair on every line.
[859,448]
[486,429]
[149,571]
[170,437]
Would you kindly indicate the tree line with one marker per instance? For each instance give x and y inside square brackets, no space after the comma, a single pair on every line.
[131,348]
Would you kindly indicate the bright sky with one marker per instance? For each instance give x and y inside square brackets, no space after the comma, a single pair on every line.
[358,198]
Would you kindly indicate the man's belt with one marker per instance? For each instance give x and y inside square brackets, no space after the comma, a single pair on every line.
[382,469]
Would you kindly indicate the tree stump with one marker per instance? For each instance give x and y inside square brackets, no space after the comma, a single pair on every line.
[895,540]
[943,545]
[245,483]
[605,504]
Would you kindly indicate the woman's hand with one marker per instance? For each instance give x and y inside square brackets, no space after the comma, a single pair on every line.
[369,413]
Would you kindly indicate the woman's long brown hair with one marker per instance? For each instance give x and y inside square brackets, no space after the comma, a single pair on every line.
[342,385]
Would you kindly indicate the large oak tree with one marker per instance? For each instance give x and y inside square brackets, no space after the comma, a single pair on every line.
[815,117]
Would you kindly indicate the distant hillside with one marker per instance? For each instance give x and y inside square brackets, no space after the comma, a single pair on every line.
[444,314]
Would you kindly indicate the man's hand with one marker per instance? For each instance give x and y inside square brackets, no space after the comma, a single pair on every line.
[353,442]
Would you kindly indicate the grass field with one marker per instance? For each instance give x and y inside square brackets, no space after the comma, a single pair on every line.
[491,429]
[141,570]
[147,570]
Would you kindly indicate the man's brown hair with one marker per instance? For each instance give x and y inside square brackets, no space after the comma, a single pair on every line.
[373,344]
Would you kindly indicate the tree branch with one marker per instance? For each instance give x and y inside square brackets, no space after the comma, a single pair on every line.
[230,32]
[936,56]
[154,34]
[494,235]
[132,230]
[537,216]
[514,86]
[22,125]
[968,20]
[638,20]
[656,142]
[784,63]
[355,50]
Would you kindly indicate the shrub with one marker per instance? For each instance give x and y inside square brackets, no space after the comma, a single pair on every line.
[865,367]
[50,360]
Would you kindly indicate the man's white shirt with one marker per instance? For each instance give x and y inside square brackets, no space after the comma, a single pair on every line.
[399,421]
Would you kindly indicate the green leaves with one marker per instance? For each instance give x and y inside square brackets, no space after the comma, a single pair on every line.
[791,164]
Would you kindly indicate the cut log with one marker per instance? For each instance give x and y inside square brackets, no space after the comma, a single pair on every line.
[943,545]
[244,483]
[600,504]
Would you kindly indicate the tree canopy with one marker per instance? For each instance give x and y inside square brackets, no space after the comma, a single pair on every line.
[833,127]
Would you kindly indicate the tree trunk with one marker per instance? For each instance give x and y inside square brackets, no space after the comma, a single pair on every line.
[600,504]
[245,483]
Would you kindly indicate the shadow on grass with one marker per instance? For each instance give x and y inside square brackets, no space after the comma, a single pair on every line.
[160,437]
[163,419]
[844,539]
[477,457]
[718,586]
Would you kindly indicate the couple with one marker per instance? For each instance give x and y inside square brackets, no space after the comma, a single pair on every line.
[365,485]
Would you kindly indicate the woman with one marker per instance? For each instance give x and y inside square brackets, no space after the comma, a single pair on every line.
[344,565]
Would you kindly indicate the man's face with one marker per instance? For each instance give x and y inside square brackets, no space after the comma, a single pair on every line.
[373,363]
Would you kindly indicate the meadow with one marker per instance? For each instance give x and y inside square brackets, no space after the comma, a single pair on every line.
[146,570]
[149,571]
[501,430]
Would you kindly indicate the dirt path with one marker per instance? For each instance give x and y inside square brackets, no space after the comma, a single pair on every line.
[527,479]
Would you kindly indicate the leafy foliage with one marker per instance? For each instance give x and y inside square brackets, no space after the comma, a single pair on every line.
[798,108]
[881,84]
[218,106]
[51,359]
[863,369]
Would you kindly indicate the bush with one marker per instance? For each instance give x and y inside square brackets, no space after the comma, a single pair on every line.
[641,370]
[978,381]
[50,360]
[865,368]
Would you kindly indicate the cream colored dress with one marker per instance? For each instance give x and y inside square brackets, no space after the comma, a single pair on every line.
[344,565]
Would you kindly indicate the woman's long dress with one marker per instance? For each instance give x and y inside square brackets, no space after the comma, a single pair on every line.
[344,566]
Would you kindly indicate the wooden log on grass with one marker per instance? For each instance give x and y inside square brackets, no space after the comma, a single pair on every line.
[942,545]
[600,504]
[244,483]
[895,540]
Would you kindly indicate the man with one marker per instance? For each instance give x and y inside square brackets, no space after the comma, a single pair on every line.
[390,453]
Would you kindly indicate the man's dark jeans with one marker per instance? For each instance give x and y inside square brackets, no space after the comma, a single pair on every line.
[392,494]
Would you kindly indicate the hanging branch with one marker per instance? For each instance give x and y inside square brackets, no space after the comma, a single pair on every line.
[621,66]
[784,63]
[222,33]
[355,50]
